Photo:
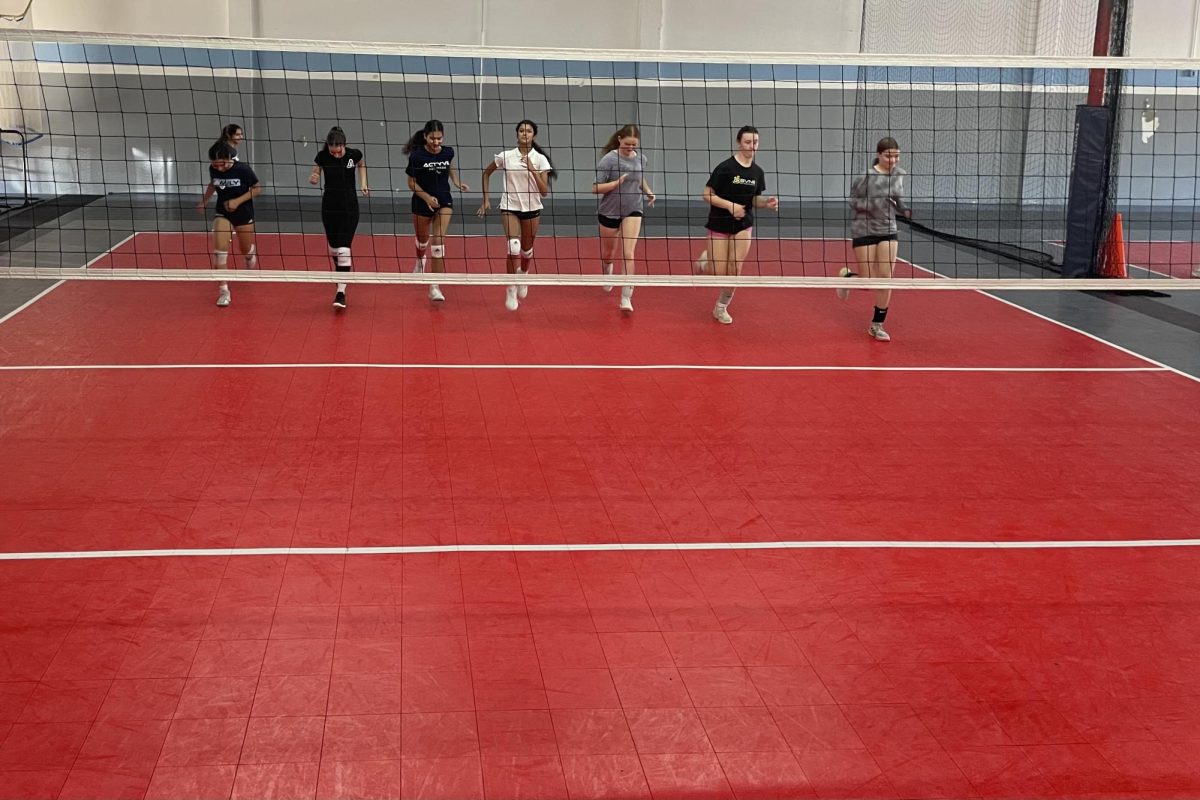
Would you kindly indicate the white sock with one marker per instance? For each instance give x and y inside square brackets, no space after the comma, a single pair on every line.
[341,287]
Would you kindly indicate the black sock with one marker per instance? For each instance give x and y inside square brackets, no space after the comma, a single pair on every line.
[880,316]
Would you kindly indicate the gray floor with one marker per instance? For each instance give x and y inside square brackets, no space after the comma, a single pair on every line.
[1165,329]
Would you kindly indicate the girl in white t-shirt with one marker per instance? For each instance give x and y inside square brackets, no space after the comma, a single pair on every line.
[527,175]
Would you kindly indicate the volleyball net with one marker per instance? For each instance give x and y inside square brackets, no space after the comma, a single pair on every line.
[990,146]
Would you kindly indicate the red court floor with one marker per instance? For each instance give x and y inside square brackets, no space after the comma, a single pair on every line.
[1176,259]
[141,417]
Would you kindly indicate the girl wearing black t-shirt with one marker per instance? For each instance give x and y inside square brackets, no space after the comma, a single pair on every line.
[236,186]
[339,203]
[733,191]
[430,172]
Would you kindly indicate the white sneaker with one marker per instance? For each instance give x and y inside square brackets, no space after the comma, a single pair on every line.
[419,267]
[626,304]
[1196,271]
[844,272]
[721,314]
[435,293]
[522,289]
[608,268]
[878,333]
[510,298]
[223,296]
[701,267]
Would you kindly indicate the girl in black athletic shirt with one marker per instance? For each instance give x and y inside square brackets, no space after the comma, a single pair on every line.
[733,191]
[345,171]
[236,186]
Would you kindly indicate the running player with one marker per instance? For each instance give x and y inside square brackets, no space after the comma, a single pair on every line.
[236,186]
[735,188]
[232,135]
[875,197]
[430,172]
[527,175]
[621,186]
[341,166]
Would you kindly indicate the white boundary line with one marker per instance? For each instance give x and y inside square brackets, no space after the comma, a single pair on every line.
[1147,359]
[672,547]
[1094,337]
[1147,270]
[613,367]
[50,289]
[31,301]
[845,544]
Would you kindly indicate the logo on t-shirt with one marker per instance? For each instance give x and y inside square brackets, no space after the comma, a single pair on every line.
[738,180]
[350,163]
[227,183]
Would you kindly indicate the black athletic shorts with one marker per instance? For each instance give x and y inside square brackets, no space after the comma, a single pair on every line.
[422,209]
[242,215]
[534,214]
[613,222]
[728,226]
[875,238]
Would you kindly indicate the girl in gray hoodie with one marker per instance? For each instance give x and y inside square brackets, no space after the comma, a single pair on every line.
[875,198]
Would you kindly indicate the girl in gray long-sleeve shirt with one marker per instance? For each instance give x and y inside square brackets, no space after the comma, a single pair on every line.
[875,198]
[621,186]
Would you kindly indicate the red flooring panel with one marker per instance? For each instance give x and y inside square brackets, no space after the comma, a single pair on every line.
[1176,259]
[156,323]
[304,458]
[826,673]
[955,674]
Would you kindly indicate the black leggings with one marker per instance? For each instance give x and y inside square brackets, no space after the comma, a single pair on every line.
[340,226]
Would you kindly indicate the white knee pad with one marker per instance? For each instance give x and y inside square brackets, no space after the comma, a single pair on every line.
[422,245]
[514,247]
[342,257]
[527,254]
[220,257]
[438,251]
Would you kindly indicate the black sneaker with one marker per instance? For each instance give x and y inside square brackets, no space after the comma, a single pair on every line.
[339,300]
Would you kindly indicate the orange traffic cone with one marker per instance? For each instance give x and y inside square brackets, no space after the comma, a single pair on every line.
[1113,264]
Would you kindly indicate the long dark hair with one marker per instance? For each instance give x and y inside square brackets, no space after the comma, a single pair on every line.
[553,172]
[229,131]
[614,141]
[335,138]
[886,143]
[418,138]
